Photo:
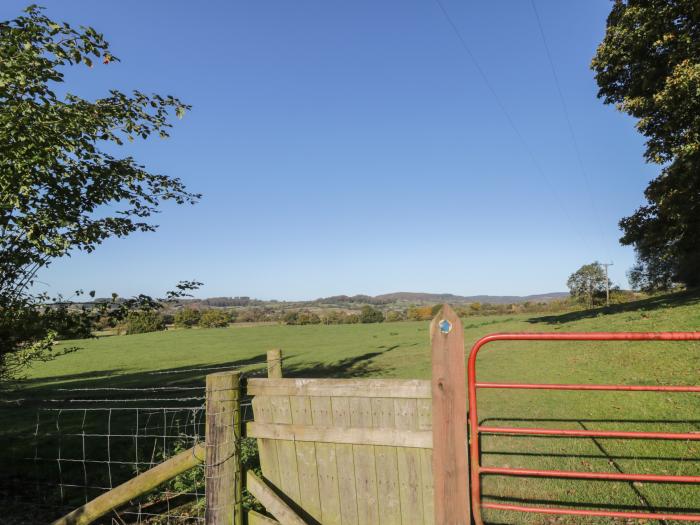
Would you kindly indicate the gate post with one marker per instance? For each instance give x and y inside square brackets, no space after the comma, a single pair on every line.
[274,363]
[449,392]
[223,469]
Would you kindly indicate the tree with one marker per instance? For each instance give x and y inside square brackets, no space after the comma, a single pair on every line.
[187,317]
[588,282]
[62,187]
[214,318]
[393,316]
[301,317]
[369,314]
[648,65]
[420,313]
[142,322]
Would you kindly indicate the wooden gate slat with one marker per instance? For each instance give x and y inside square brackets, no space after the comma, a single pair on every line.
[267,449]
[322,416]
[365,469]
[306,459]
[286,451]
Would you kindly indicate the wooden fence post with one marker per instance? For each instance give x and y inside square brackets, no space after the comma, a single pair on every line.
[223,468]
[449,391]
[274,363]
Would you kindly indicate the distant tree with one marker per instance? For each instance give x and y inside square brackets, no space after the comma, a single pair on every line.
[648,65]
[587,282]
[141,322]
[334,317]
[291,317]
[187,317]
[306,317]
[301,317]
[420,313]
[369,314]
[214,318]
[251,315]
[393,316]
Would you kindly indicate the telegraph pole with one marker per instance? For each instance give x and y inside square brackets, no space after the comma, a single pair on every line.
[607,283]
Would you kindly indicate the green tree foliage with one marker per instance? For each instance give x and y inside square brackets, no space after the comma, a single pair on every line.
[301,317]
[334,317]
[587,283]
[63,187]
[66,322]
[339,317]
[214,318]
[142,322]
[648,65]
[187,318]
[252,315]
[369,314]
[393,316]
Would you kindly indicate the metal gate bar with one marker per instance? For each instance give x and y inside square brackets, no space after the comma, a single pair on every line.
[475,428]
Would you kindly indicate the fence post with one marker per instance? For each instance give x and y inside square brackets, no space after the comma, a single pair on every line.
[449,391]
[274,363]
[223,468]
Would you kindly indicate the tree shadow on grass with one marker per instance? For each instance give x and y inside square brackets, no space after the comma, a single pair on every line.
[688,298]
[185,376]
[612,459]
[351,367]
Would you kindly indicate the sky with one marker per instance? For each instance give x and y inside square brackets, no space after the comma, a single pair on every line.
[362,147]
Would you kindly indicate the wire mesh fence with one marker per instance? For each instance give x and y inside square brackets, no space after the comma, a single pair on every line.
[66,450]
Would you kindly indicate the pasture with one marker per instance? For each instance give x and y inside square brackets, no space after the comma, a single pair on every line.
[401,350]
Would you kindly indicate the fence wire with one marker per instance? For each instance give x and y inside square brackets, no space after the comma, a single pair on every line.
[86,441]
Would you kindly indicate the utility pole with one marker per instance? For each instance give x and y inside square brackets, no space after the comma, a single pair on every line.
[607,283]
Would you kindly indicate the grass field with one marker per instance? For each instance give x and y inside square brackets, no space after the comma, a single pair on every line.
[401,350]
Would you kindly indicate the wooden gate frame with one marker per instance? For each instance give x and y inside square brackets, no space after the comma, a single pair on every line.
[281,425]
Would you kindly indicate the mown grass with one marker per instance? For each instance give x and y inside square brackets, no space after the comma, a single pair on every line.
[402,350]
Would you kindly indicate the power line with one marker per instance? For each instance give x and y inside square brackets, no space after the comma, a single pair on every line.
[572,134]
[510,120]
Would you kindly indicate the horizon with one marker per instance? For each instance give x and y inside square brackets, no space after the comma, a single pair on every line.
[338,158]
[196,297]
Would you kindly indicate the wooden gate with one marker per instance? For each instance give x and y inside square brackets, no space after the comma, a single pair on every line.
[360,451]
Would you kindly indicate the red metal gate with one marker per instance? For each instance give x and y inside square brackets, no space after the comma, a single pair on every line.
[476,429]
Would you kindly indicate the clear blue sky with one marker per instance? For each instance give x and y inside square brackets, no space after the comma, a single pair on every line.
[352,147]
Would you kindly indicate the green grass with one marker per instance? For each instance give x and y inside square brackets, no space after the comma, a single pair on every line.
[401,350]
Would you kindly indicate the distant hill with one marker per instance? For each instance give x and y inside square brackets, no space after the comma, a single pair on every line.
[418,297]
[389,298]
[352,301]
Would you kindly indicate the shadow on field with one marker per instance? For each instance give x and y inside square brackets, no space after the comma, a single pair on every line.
[350,367]
[186,376]
[613,460]
[688,298]
[582,422]
[65,386]
[553,502]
